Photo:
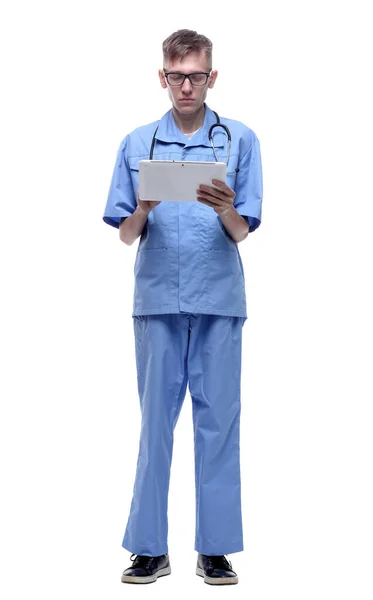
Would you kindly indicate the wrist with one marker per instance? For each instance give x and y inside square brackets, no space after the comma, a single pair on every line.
[142,210]
[226,211]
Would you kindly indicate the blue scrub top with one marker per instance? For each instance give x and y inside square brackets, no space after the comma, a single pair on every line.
[186,261]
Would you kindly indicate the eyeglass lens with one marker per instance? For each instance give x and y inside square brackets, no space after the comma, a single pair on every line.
[179,78]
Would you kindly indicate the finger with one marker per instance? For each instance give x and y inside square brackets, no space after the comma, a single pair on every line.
[223,186]
[209,189]
[204,201]
[211,199]
[211,193]
[214,192]
[215,205]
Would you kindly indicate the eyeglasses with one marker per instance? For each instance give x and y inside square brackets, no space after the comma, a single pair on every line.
[194,78]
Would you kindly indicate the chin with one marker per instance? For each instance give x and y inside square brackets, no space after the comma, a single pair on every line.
[187,108]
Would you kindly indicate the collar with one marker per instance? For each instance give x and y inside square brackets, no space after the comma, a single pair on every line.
[168,131]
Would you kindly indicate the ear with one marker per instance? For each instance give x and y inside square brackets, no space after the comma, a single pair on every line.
[162,78]
[213,77]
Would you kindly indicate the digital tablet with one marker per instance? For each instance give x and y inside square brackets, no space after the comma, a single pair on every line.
[177,180]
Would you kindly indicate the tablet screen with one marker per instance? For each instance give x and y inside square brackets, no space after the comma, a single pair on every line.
[176,181]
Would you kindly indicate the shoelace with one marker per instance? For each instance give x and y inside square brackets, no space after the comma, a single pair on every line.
[141,561]
[218,562]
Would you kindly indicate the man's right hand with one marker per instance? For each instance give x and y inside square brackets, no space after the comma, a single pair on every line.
[147,205]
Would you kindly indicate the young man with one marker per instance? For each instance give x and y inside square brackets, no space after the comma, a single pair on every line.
[189,310]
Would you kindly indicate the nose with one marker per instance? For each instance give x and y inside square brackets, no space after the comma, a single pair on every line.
[187,86]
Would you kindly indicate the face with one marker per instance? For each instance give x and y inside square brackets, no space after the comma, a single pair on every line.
[188,98]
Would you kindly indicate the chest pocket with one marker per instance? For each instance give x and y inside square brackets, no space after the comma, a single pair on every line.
[231,173]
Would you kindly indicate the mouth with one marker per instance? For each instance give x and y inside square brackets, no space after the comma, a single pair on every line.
[186,100]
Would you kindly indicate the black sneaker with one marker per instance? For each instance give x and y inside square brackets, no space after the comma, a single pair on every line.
[215,570]
[146,569]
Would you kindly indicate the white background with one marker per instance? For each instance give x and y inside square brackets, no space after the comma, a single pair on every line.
[77,77]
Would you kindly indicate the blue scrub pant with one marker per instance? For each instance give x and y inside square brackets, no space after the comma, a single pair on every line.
[205,350]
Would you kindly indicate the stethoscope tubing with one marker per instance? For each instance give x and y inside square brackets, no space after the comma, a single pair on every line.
[217,124]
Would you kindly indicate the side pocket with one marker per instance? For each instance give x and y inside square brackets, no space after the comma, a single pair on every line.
[138,324]
[220,240]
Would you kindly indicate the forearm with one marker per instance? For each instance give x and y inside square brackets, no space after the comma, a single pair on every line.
[131,228]
[235,224]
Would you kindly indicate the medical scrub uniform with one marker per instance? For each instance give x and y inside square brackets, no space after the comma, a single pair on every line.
[189,308]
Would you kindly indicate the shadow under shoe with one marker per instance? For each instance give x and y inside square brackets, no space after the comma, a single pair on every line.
[216,570]
[146,569]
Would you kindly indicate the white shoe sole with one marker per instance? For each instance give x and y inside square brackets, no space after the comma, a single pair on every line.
[146,579]
[216,580]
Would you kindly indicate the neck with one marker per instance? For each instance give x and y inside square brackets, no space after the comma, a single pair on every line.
[189,123]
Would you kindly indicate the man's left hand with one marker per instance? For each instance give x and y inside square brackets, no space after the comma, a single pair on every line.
[220,200]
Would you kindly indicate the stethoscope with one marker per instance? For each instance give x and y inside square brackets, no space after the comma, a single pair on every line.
[217,124]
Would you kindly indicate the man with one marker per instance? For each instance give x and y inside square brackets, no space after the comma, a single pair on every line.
[189,310]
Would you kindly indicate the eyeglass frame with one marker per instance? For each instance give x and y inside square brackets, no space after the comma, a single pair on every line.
[185,75]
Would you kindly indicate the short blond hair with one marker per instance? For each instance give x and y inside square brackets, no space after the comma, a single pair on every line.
[182,42]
